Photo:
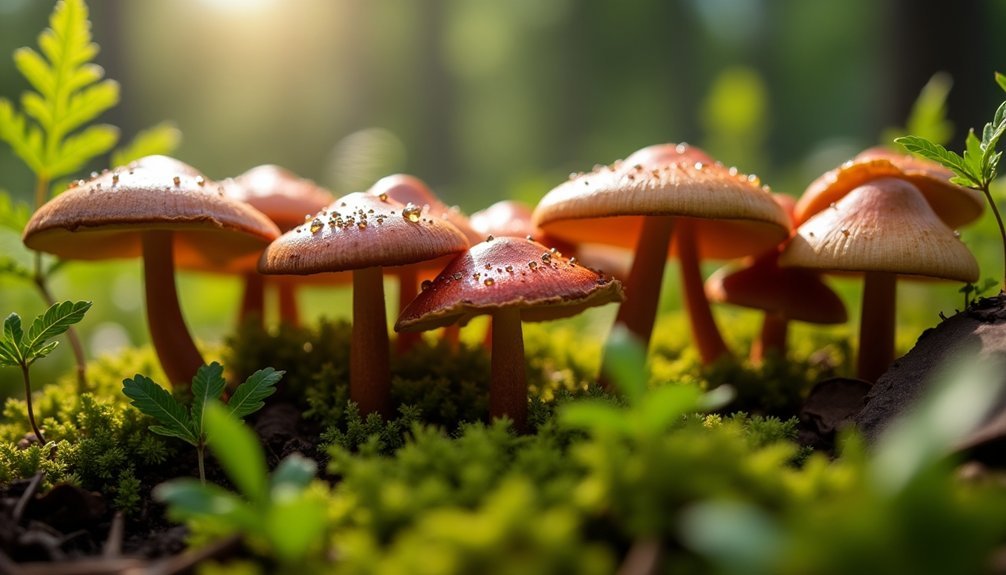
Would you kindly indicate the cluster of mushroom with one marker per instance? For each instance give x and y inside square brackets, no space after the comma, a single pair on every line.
[881,214]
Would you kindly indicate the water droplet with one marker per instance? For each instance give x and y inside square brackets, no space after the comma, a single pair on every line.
[489,281]
[307,217]
[489,266]
[490,238]
[848,164]
[529,238]
[509,269]
[383,197]
[476,276]
[362,225]
[638,167]
[73,184]
[845,232]
[200,181]
[457,276]
[681,148]
[546,257]
[177,180]
[700,166]
[811,234]
[833,206]
[532,264]
[586,182]
[957,234]
[733,171]
[412,212]
[115,179]
[94,174]
[316,225]
[572,261]
[754,180]
[427,284]
[97,186]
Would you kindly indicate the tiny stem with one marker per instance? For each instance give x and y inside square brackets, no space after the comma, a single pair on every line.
[199,457]
[27,398]
[1002,230]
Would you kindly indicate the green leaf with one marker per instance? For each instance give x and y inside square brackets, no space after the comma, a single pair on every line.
[189,498]
[248,397]
[625,363]
[68,94]
[237,449]
[596,416]
[294,472]
[207,385]
[294,524]
[12,338]
[1001,80]
[941,155]
[928,117]
[43,351]
[155,401]
[12,267]
[56,320]
[13,215]
[161,139]
[8,355]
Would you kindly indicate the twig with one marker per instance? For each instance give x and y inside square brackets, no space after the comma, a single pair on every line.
[113,544]
[29,492]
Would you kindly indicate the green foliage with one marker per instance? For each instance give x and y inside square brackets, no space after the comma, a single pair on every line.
[68,93]
[20,349]
[928,116]
[283,513]
[161,139]
[207,385]
[13,215]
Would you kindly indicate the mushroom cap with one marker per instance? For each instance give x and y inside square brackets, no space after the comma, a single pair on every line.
[955,205]
[660,154]
[108,214]
[507,272]
[885,226]
[795,293]
[505,218]
[362,230]
[280,194]
[733,215]
[406,189]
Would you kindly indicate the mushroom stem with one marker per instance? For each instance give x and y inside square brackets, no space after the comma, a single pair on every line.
[876,325]
[288,313]
[705,334]
[774,332]
[452,335]
[178,354]
[253,300]
[408,289]
[508,389]
[369,372]
[639,310]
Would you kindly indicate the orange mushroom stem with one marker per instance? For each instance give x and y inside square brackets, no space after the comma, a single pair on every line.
[369,370]
[705,333]
[178,354]
[408,289]
[508,386]
[253,299]
[638,312]
[288,311]
[772,339]
[876,326]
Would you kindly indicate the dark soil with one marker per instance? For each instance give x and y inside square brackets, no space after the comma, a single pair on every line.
[978,331]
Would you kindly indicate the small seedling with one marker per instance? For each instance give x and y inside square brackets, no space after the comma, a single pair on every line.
[280,511]
[978,167]
[20,349]
[207,385]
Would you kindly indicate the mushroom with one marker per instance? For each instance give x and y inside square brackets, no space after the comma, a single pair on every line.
[883,228]
[169,213]
[406,189]
[955,205]
[511,279]
[710,210]
[784,294]
[285,198]
[364,233]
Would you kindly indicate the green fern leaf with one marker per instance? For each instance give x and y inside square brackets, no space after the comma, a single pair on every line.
[248,397]
[57,319]
[207,385]
[13,215]
[155,401]
[161,139]
[68,93]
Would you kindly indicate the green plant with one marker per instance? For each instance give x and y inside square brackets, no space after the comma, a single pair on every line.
[20,349]
[53,133]
[207,385]
[281,511]
[979,164]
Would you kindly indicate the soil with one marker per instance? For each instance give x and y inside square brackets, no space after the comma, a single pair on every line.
[979,330]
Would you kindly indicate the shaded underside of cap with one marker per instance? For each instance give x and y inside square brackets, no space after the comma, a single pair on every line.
[280,194]
[358,231]
[505,273]
[796,293]
[884,226]
[955,205]
[106,216]
[734,216]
